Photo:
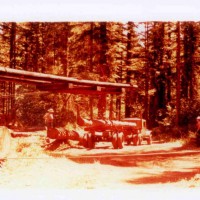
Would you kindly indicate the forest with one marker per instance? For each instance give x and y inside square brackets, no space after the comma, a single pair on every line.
[162,58]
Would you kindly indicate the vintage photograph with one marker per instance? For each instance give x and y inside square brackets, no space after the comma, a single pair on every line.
[100,104]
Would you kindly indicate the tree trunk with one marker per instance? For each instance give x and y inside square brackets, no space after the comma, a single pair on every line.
[65,50]
[146,101]
[91,46]
[178,72]
[128,72]
[189,49]
[25,67]
[104,69]
[102,106]
[11,87]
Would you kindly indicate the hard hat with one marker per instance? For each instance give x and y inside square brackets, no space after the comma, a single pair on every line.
[51,110]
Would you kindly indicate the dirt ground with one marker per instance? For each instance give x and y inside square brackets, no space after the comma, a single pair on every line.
[69,166]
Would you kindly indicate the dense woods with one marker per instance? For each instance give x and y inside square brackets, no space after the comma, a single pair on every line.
[162,58]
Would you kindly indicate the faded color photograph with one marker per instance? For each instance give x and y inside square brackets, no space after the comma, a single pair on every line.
[99,104]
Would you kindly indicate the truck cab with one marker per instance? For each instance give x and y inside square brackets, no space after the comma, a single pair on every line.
[139,133]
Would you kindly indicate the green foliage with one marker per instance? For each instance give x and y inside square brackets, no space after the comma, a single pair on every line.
[137,53]
[167,128]
[65,117]
[168,133]
[189,111]
[30,111]
[32,107]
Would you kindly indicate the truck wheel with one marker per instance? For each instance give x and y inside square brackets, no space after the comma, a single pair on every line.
[149,140]
[118,140]
[90,141]
[83,141]
[137,141]
[128,141]
[140,141]
[114,141]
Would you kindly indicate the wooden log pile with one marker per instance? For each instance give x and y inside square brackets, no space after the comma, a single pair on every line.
[102,125]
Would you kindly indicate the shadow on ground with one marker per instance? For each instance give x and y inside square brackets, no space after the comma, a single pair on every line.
[166,177]
[131,159]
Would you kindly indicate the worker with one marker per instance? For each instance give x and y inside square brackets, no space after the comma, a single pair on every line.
[49,118]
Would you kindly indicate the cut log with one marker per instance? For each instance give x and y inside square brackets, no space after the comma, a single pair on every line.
[5,142]
[115,125]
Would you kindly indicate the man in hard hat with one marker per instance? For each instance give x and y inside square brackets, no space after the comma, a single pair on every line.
[49,123]
[49,118]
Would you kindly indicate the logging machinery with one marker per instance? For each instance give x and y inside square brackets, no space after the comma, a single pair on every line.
[129,130]
[117,131]
[140,132]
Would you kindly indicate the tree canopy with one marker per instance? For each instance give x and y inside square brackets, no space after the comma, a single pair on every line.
[162,58]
